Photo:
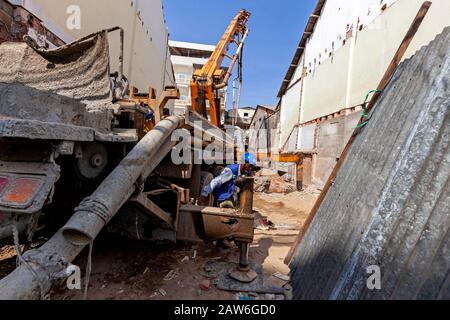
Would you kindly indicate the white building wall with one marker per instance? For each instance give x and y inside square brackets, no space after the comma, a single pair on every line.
[337,18]
[184,70]
[290,106]
[146,62]
[246,113]
[342,79]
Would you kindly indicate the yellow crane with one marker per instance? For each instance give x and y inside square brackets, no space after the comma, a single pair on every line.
[207,81]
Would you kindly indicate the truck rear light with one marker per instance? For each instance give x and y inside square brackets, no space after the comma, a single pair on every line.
[22,191]
[3,183]
[24,188]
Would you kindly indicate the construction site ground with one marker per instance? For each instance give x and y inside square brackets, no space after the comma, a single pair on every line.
[125,269]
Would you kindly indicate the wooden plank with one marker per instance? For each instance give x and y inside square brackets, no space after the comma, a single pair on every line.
[383,84]
[214,211]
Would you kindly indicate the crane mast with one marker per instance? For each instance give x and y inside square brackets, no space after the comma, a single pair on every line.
[207,81]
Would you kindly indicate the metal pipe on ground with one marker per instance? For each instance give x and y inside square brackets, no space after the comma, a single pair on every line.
[247,194]
[48,264]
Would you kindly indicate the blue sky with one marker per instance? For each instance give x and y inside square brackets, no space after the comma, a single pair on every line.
[275,30]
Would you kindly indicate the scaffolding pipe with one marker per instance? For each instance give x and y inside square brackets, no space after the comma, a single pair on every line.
[49,263]
[238,103]
[228,74]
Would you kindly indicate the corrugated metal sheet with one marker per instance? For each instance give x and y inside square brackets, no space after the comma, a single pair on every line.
[390,203]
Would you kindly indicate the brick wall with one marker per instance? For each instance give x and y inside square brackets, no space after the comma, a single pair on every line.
[6,20]
[16,21]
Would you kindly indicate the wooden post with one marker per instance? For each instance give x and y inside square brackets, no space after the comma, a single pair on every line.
[299,179]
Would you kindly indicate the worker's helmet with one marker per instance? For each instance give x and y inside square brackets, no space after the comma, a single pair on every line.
[249,158]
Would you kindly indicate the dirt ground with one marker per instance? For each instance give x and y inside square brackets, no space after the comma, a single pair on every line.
[123,269]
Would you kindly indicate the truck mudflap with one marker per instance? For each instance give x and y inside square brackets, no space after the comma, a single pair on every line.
[26,186]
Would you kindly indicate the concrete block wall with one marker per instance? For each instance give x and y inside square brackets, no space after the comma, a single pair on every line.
[332,137]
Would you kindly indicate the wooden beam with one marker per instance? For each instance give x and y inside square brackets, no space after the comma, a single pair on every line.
[288,158]
[215,211]
[169,93]
[155,210]
[382,86]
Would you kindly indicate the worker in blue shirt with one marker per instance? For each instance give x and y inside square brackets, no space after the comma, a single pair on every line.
[224,186]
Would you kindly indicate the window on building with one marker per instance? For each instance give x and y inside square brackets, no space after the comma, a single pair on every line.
[181,76]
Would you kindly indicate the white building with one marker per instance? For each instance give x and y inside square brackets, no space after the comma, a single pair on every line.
[342,55]
[241,117]
[186,58]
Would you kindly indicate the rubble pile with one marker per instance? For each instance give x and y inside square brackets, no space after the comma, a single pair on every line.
[269,181]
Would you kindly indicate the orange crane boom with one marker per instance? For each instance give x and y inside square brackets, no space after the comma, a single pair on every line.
[207,81]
